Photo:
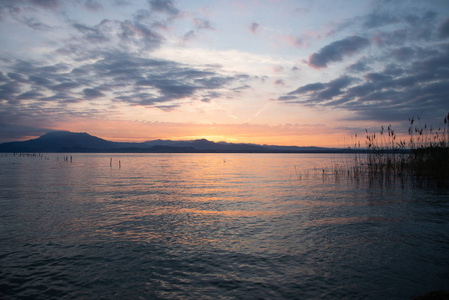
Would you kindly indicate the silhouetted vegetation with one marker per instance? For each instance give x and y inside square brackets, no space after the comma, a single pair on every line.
[423,155]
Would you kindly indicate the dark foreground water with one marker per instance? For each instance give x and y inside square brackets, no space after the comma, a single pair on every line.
[214,226]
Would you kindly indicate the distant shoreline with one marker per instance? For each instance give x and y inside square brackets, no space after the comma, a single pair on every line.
[185,151]
[82,142]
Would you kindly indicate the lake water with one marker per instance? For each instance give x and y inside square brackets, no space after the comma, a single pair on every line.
[215,226]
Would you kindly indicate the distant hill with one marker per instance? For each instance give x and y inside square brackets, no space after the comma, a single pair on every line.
[74,142]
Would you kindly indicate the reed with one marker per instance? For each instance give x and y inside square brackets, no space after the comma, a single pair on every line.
[423,155]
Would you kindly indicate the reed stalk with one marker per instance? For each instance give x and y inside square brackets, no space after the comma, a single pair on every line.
[424,155]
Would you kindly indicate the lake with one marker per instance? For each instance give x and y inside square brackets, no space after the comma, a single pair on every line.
[215,226]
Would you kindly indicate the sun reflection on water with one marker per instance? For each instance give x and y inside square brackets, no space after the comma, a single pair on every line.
[224,223]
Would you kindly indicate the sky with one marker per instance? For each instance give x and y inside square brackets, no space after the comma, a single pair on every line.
[303,73]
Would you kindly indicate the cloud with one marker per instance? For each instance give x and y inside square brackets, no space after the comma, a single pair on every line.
[403,53]
[302,41]
[132,31]
[254,28]
[335,87]
[279,82]
[122,2]
[91,34]
[190,35]
[119,77]
[209,96]
[316,93]
[443,31]
[9,90]
[14,132]
[412,82]
[202,24]
[164,6]
[48,4]
[337,50]
[312,87]
[359,67]
[93,5]
[377,19]
[65,86]
[92,93]
[29,95]
[126,35]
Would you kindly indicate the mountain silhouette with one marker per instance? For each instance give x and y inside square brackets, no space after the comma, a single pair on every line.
[56,141]
[75,142]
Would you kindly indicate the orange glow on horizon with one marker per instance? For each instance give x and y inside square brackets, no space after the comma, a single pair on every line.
[281,135]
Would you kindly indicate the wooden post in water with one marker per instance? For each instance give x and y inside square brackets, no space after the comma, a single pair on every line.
[119,165]
[110,162]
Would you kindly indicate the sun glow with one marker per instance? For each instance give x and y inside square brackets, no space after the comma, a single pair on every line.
[212,138]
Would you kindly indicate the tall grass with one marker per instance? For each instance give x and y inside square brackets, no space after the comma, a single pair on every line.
[423,155]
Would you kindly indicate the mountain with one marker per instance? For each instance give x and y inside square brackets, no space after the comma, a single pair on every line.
[204,145]
[56,141]
[73,142]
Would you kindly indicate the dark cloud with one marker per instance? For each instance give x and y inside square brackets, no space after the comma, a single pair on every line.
[403,88]
[213,82]
[403,53]
[208,97]
[377,77]
[91,34]
[30,95]
[409,27]
[106,60]
[407,74]
[312,87]
[393,70]
[335,88]
[359,67]
[136,32]
[49,4]
[164,6]
[9,90]
[392,38]
[170,89]
[291,99]
[320,92]
[65,86]
[443,30]
[14,132]
[92,93]
[61,97]
[427,17]
[3,78]
[126,78]
[124,35]
[121,2]
[35,23]
[17,77]
[93,5]
[376,20]
[337,50]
